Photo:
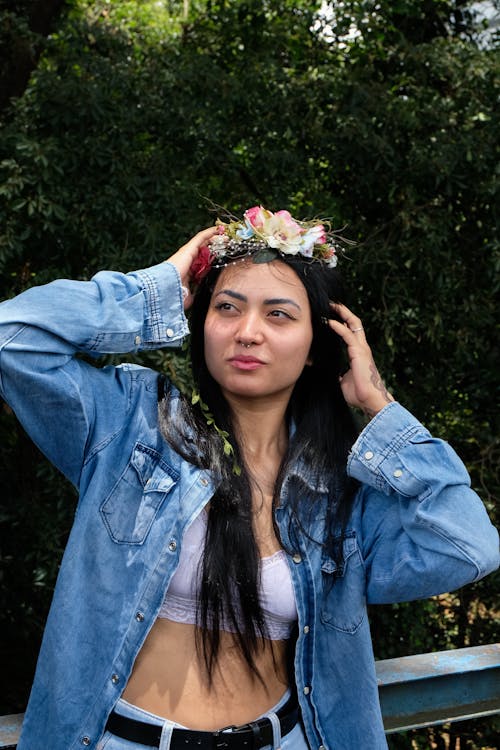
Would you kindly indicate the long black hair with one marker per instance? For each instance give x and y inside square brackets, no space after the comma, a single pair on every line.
[324,430]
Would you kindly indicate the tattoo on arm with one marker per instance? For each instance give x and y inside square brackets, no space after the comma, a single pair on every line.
[379,384]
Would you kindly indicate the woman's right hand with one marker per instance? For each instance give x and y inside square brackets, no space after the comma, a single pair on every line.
[185,256]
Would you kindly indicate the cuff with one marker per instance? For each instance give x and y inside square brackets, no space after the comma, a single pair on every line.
[165,323]
[377,446]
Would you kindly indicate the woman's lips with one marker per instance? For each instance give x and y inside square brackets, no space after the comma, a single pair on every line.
[244,362]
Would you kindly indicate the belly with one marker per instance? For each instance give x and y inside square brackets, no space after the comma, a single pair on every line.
[169,679]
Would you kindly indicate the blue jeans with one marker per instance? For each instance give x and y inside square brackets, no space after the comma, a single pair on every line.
[294,740]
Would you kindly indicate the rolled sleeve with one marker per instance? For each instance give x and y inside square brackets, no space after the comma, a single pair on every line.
[424,530]
[376,457]
[165,323]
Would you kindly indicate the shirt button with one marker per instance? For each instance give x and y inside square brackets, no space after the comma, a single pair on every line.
[137,340]
[297,558]
[204,481]
[368,455]
[85,740]
[139,616]
[172,545]
[306,629]
[398,473]
[306,690]
[321,747]
[169,332]
[115,679]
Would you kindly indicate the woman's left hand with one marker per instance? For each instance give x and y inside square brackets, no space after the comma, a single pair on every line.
[361,385]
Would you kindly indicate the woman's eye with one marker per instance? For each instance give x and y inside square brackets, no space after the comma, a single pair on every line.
[224,306]
[280,314]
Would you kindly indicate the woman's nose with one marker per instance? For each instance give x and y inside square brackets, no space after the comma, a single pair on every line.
[250,330]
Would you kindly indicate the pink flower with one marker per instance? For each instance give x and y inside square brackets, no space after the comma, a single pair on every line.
[256,216]
[202,264]
[314,236]
[287,219]
[319,231]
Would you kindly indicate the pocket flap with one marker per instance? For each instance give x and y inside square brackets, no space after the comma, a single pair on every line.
[349,546]
[154,473]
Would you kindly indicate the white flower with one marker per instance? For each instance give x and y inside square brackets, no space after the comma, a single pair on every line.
[281,232]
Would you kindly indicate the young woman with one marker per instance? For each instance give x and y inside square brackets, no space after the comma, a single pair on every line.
[213,591]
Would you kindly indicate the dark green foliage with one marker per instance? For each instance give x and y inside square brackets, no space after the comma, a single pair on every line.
[36,512]
[24,24]
[135,120]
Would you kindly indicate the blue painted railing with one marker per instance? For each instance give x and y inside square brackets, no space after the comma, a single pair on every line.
[415,691]
[436,688]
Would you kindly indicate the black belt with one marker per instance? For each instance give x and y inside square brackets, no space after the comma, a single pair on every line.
[250,736]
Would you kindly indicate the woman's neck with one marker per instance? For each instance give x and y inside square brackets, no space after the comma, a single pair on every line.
[261,428]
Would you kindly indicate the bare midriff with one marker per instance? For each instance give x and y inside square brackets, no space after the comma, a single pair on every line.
[169,680]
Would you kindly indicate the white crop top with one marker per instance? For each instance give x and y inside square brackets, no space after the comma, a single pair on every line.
[276,590]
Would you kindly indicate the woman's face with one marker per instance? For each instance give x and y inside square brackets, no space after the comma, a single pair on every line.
[258,330]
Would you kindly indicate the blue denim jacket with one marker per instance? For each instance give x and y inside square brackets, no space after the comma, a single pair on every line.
[416,529]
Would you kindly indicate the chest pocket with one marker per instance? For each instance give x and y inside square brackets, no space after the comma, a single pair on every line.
[343,604]
[131,506]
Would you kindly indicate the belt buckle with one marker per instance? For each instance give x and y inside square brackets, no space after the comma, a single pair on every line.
[231,730]
[217,742]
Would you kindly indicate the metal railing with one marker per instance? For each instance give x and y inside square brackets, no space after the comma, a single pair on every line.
[437,688]
[415,691]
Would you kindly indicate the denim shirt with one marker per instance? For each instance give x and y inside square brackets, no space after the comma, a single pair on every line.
[417,529]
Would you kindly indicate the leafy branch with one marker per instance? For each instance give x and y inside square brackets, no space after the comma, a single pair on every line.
[227,446]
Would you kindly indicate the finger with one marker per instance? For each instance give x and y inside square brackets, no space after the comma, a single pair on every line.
[349,319]
[352,338]
[193,245]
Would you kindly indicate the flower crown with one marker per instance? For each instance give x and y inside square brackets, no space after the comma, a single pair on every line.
[265,236]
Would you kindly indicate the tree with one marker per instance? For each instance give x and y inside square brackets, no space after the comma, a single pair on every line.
[24,25]
[382,117]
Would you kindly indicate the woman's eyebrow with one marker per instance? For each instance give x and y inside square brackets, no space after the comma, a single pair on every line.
[272,301]
[235,295]
[282,301]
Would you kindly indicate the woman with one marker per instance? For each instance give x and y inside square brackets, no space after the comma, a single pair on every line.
[213,591]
